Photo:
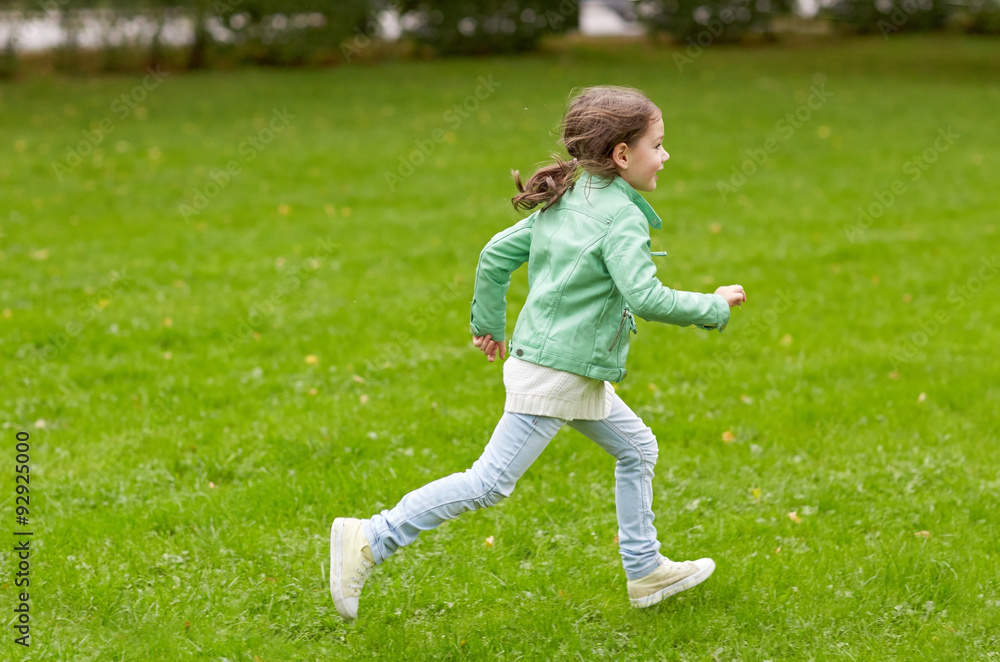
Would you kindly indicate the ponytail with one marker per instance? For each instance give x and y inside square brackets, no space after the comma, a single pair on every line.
[597,119]
[546,186]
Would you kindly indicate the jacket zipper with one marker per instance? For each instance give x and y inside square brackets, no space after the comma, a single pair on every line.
[620,325]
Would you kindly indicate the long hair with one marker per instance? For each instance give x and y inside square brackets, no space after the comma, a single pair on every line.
[596,120]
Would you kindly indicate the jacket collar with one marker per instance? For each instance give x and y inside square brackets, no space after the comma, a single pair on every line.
[616,182]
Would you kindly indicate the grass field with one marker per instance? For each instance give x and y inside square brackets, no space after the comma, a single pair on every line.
[212,364]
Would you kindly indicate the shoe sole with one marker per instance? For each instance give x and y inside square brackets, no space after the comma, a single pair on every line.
[336,568]
[675,588]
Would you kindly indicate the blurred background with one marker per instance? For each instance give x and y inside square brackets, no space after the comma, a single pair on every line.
[109,35]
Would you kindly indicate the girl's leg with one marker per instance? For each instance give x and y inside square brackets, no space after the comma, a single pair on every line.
[626,437]
[516,443]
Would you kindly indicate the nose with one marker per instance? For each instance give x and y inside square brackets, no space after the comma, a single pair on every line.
[666,156]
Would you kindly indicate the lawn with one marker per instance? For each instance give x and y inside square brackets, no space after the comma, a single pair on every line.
[235,306]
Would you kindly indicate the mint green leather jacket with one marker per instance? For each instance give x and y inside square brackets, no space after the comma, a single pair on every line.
[590,270]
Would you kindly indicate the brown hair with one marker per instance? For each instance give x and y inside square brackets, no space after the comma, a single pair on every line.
[597,119]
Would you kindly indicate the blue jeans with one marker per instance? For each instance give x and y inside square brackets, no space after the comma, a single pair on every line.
[517,442]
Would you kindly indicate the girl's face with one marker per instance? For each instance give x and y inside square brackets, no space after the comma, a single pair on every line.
[638,163]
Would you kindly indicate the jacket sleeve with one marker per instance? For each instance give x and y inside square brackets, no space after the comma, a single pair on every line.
[501,256]
[627,256]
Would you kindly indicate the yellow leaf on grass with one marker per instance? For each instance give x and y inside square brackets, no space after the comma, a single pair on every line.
[728,436]
[923,534]
[757,493]
[312,359]
[921,397]
[786,340]
[794,516]
[489,542]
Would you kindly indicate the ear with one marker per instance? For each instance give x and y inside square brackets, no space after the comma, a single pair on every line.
[620,155]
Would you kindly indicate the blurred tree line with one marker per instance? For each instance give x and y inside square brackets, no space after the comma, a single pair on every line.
[299,32]
[275,33]
[699,22]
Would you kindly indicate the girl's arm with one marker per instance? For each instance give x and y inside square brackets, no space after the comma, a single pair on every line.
[504,253]
[626,254]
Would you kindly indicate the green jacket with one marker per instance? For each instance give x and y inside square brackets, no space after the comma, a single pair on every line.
[590,270]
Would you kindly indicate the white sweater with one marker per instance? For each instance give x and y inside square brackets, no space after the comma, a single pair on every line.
[538,390]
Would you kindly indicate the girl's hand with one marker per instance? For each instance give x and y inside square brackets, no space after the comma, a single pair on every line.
[733,294]
[490,347]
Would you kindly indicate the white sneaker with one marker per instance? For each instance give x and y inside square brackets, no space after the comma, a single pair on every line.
[350,563]
[670,578]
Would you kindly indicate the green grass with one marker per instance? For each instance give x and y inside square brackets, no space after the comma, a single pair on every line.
[185,469]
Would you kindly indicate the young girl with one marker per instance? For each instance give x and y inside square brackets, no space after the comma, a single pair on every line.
[590,271]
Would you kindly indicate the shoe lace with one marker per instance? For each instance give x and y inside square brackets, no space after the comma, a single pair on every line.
[672,565]
[361,574]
